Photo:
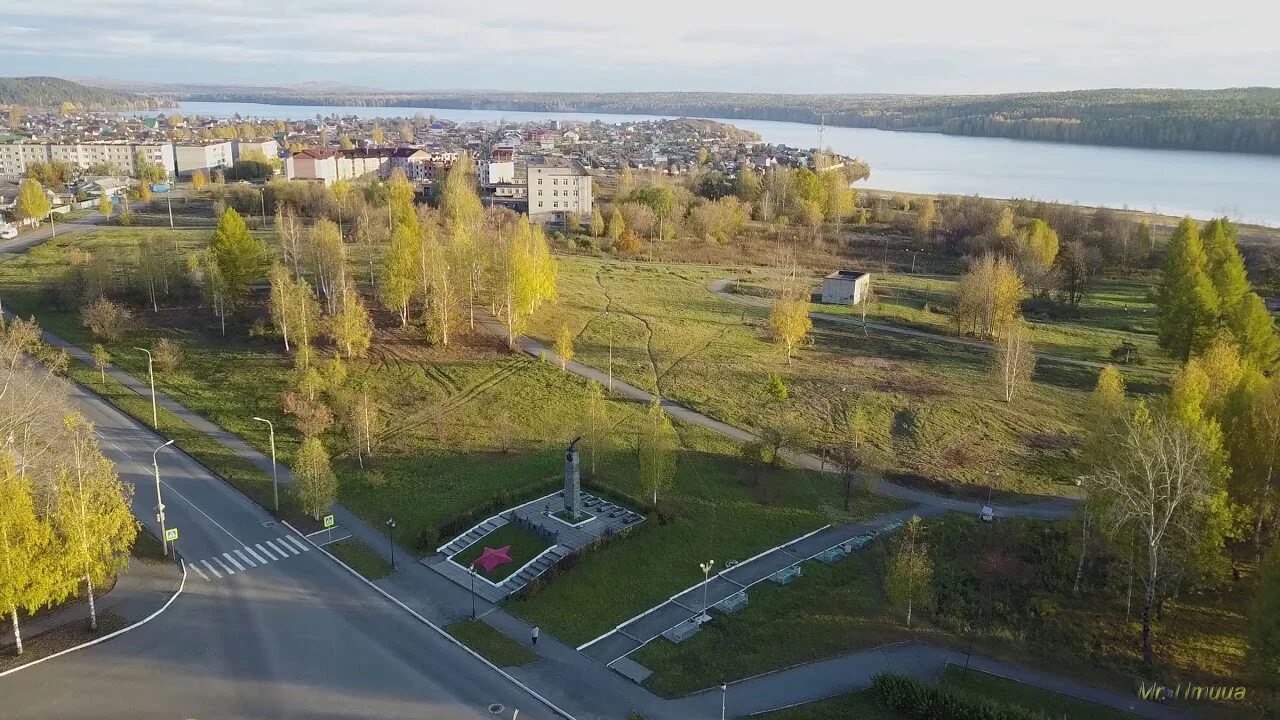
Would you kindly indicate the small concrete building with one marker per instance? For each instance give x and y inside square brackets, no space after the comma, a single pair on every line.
[205,157]
[845,287]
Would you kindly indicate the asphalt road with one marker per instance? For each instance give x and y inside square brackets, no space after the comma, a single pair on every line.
[267,626]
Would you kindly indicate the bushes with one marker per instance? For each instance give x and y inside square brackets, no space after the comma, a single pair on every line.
[917,700]
[107,320]
[167,355]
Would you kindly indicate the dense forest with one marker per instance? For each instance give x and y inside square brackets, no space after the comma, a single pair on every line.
[52,93]
[1243,120]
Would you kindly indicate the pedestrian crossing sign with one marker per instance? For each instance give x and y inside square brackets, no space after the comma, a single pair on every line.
[328,520]
[171,535]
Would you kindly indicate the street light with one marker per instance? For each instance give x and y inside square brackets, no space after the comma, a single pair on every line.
[155,465]
[275,482]
[610,319]
[155,421]
[391,527]
[472,570]
[168,198]
[724,692]
[914,253]
[706,580]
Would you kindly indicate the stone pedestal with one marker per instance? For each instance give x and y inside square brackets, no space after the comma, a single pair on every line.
[572,483]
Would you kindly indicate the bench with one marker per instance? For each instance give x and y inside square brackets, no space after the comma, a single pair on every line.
[832,555]
[786,575]
[860,541]
[890,527]
[733,603]
[683,631]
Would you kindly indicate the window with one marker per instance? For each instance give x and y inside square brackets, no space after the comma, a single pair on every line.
[539,193]
[555,204]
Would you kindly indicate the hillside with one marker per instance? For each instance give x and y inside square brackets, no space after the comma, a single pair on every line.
[1243,120]
[51,92]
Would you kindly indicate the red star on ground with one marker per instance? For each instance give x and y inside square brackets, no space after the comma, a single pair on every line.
[493,557]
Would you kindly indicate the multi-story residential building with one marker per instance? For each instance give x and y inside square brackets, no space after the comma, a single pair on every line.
[267,148]
[556,188]
[15,158]
[203,157]
[327,165]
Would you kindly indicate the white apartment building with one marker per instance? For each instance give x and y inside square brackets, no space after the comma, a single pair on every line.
[204,157]
[557,187]
[16,157]
[497,172]
[268,148]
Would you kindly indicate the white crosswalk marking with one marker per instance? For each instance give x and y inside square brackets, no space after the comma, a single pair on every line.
[285,544]
[279,552]
[225,569]
[245,558]
[233,561]
[301,545]
[265,551]
[210,568]
[255,555]
[198,571]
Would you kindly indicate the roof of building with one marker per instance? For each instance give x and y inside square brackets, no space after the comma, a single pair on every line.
[845,275]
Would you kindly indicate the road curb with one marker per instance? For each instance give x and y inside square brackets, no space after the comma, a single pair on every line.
[550,705]
[182,585]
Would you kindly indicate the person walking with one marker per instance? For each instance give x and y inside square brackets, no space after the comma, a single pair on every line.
[536,632]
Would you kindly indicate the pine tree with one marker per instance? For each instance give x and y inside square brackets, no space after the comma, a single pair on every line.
[238,254]
[1188,303]
[1253,328]
[1225,264]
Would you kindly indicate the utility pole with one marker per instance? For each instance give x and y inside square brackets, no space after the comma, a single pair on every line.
[155,465]
[275,482]
[610,319]
[168,197]
[155,421]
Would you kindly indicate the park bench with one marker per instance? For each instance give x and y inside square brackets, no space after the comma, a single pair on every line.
[683,631]
[890,527]
[733,603]
[832,555]
[786,575]
[860,541]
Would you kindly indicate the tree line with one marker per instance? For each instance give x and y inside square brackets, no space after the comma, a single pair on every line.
[65,521]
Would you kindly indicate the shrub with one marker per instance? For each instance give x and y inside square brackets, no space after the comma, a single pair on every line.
[167,355]
[108,321]
[919,701]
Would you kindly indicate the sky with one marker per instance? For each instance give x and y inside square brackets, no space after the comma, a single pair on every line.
[846,46]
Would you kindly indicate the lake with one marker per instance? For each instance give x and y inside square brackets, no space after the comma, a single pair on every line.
[1173,182]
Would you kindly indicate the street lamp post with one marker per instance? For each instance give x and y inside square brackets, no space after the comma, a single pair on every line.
[472,570]
[391,540]
[155,420]
[155,465]
[914,253]
[610,319]
[706,580]
[168,198]
[724,693]
[275,481]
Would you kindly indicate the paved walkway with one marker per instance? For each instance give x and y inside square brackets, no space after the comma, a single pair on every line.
[721,288]
[848,673]
[145,586]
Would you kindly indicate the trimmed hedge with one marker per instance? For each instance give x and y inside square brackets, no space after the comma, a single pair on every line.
[921,701]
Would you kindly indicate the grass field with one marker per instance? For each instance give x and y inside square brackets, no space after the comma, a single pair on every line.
[1011,692]
[524,546]
[361,558]
[860,705]
[931,410]
[493,645]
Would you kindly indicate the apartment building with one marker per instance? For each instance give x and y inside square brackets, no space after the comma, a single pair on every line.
[326,165]
[267,148]
[15,158]
[205,157]
[556,187]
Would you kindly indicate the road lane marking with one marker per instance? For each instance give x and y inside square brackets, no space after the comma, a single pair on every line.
[254,554]
[265,551]
[206,515]
[280,552]
[233,561]
[199,572]
[215,572]
[245,558]
[228,570]
[122,451]
[287,547]
[297,542]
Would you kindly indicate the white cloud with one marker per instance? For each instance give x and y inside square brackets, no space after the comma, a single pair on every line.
[801,45]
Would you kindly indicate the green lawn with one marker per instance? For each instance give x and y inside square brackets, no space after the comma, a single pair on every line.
[524,544]
[860,705]
[1011,692]
[361,558]
[931,406]
[828,611]
[493,645]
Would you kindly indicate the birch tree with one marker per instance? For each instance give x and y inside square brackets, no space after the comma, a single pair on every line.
[328,257]
[281,292]
[908,580]
[1014,360]
[595,432]
[399,271]
[25,545]
[789,321]
[314,482]
[657,451]
[289,231]
[351,328]
[91,517]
